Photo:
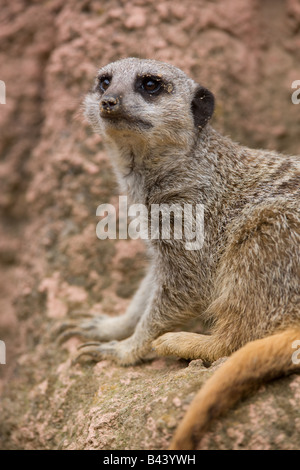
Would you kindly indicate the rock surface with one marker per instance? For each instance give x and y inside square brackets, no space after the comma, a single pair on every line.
[53,175]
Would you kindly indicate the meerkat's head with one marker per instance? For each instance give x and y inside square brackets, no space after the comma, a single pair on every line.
[147,100]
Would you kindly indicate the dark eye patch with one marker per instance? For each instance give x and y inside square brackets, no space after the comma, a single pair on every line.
[104,82]
[150,85]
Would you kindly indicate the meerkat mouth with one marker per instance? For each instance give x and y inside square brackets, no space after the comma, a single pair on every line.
[118,118]
[124,120]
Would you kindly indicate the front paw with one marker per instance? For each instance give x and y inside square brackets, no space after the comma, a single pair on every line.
[120,352]
[98,327]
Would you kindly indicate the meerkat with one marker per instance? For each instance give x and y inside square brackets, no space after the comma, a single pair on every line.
[244,280]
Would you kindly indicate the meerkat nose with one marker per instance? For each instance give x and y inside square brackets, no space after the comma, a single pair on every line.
[110,104]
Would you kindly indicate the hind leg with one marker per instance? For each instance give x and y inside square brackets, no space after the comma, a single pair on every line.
[190,346]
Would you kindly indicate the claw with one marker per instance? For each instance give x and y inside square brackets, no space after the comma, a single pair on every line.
[90,343]
[90,350]
[63,327]
[59,331]
[68,329]
[97,350]
[69,334]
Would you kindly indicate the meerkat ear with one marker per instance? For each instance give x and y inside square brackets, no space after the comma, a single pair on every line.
[202,106]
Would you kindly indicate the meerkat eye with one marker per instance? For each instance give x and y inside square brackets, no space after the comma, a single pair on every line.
[104,83]
[151,85]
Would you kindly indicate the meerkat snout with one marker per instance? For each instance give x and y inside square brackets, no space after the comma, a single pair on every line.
[110,105]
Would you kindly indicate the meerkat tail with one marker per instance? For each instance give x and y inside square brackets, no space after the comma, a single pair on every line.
[257,362]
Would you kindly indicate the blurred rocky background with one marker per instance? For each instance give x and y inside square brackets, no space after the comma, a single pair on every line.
[53,175]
